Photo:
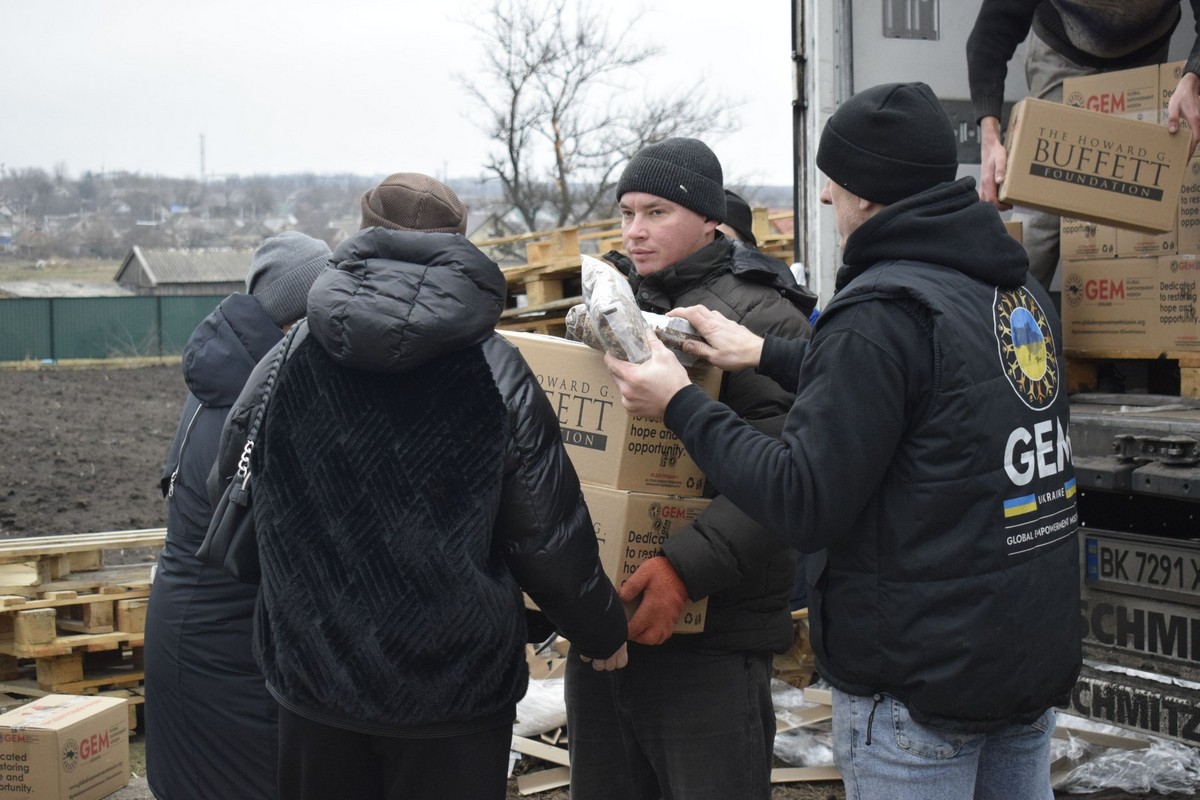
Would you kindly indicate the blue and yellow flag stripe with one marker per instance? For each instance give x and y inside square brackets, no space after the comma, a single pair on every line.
[1069,486]
[1020,505]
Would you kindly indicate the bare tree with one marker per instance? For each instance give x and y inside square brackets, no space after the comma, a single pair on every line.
[556,95]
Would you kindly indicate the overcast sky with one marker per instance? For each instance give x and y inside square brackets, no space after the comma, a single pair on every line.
[348,86]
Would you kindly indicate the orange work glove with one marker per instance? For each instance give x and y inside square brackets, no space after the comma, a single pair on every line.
[663,596]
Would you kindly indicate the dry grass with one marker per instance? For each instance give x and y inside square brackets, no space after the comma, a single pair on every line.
[87,270]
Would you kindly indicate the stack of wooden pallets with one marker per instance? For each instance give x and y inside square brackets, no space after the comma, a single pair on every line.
[71,619]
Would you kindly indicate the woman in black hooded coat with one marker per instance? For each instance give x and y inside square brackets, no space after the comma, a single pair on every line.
[210,722]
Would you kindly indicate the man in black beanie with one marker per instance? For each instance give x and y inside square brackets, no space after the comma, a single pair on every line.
[739,220]
[924,467]
[693,712]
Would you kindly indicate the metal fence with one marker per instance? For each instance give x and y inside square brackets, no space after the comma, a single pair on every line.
[58,328]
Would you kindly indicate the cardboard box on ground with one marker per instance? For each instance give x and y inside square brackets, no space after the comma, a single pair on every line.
[639,482]
[65,746]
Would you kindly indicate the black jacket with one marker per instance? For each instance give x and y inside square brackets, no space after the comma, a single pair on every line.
[199,619]
[410,480]
[725,555]
[926,466]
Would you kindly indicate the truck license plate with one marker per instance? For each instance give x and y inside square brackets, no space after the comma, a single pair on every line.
[1149,565]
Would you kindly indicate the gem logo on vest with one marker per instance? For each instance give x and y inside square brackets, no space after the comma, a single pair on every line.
[1026,347]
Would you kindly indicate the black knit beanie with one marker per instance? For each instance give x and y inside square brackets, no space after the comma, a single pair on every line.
[681,170]
[889,142]
[739,217]
[410,201]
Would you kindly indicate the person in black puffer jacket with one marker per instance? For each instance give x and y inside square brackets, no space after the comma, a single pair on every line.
[701,721]
[925,467]
[198,621]
[410,480]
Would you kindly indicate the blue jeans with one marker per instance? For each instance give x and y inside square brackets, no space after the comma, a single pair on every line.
[909,761]
[675,724]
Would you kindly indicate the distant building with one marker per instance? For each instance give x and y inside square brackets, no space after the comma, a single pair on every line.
[180,272]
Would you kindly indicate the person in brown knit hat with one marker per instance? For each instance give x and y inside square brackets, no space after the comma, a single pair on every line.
[410,201]
[410,484]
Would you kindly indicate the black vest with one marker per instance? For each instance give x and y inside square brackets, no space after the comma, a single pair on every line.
[958,589]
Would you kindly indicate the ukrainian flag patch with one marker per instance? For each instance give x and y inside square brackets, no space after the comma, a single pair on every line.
[1020,505]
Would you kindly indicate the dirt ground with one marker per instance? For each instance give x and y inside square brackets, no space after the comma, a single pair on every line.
[83,447]
[80,452]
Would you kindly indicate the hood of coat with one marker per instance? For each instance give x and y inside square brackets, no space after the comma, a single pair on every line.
[947,225]
[397,299]
[224,348]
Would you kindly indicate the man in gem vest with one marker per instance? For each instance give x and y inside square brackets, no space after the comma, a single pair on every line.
[925,467]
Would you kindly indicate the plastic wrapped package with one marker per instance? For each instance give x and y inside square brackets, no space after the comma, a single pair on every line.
[610,320]
[612,312]
[807,746]
[1165,767]
[579,327]
[542,709]
[673,332]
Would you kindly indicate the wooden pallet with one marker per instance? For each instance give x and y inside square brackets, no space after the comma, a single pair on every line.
[70,623]
[542,289]
[1166,372]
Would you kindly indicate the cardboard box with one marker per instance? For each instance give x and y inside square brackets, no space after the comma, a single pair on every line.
[1131,304]
[65,747]
[631,527]
[1139,244]
[1125,93]
[607,446]
[1014,229]
[1188,230]
[1096,167]
[1168,78]
[1079,239]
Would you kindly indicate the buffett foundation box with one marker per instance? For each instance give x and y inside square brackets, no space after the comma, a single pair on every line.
[1092,166]
[606,445]
[1168,78]
[1082,239]
[1130,304]
[1187,233]
[1126,93]
[632,526]
[63,746]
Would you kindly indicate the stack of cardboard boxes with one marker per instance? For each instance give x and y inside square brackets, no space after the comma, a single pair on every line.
[639,483]
[1130,204]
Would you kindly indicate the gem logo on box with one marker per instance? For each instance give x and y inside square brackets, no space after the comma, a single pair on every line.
[1104,102]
